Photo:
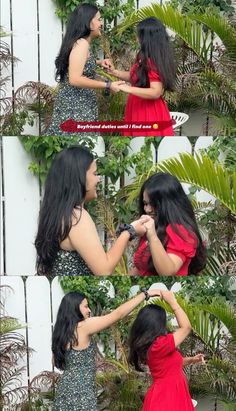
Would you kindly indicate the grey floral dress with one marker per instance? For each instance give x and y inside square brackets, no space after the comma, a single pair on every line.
[69,263]
[75,103]
[76,390]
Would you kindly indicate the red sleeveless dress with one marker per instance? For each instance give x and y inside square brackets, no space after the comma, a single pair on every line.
[169,389]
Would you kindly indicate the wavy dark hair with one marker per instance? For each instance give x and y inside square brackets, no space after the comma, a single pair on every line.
[65,190]
[149,324]
[172,206]
[64,335]
[155,52]
[78,27]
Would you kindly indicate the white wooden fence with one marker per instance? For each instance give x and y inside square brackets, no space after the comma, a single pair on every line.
[20,198]
[35,35]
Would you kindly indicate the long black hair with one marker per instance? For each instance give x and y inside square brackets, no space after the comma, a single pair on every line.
[64,334]
[149,324]
[172,206]
[155,52]
[65,190]
[78,27]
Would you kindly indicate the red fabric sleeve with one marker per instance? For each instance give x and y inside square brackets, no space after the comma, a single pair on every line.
[153,76]
[163,345]
[183,244]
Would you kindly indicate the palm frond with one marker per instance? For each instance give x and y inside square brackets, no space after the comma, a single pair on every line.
[187,28]
[224,313]
[221,264]
[222,28]
[206,320]
[199,171]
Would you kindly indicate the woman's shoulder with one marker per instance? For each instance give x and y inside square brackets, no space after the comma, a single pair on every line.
[81,215]
[178,230]
[180,240]
[82,41]
[163,344]
[81,44]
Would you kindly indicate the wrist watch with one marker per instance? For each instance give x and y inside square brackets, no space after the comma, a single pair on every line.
[129,228]
[145,291]
[107,87]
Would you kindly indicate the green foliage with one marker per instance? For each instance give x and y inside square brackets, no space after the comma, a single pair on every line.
[13,123]
[199,171]
[43,149]
[203,289]
[111,11]
[223,150]
[209,6]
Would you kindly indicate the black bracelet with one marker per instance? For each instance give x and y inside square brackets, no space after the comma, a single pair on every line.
[129,228]
[145,291]
[107,88]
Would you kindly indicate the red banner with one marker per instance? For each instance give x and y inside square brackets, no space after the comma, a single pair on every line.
[72,126]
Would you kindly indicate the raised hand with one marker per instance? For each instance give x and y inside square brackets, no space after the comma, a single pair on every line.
[149,224]
[139,227]
[154,292]
[169,297]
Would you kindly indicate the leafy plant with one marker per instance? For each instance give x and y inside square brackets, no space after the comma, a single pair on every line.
[212,6]
[43,149]
[199,171]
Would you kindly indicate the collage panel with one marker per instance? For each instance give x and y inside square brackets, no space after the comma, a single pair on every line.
[118,205]
[163,69]
[123,334]
[133,206]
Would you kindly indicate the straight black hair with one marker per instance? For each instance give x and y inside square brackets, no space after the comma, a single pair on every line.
[78,27]
[64,332]
[65,190]
[149,324]
[155,53]
[172,206]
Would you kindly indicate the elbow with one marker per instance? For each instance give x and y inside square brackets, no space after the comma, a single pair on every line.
[188,329]
[103,271]
[167,272]
[74,81]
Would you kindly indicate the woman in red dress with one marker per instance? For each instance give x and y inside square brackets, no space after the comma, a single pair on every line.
[152,73]
[172,244]
[152,345]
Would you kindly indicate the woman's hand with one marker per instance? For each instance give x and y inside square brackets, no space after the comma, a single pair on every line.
[115,86]
[139,227]
[149,224]
[154,292]
[125,88]
[198,359]
[107,66]
[169,297]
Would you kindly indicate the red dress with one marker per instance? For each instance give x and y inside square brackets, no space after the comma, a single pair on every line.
[140,109]
[184,247]
[169,389]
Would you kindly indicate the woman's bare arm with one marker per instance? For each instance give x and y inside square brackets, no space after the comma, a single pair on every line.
[84,239]
[96,324]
